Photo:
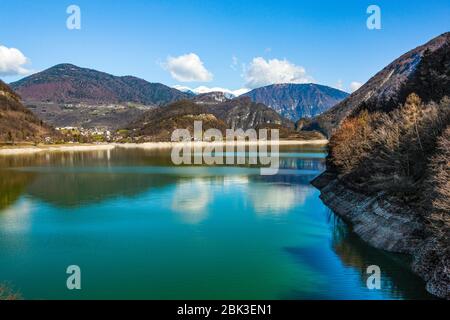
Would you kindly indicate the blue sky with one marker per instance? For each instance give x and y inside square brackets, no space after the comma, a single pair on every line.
[325,42]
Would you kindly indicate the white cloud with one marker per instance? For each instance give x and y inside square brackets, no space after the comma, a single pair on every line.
[204,89]
[339,85]
[234,63]
[263,72]
[188,68]
[12,62]
[355,86]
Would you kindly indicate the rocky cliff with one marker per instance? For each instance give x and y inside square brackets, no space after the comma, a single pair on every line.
[386,225]
[388,164]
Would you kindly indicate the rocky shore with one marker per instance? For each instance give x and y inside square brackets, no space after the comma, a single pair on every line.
[390,227]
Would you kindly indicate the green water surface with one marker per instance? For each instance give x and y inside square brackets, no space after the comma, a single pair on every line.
[142,228]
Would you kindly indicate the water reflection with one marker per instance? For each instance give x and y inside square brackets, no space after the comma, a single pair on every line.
[397,278]
[75,189]
[69,179]
[17,218]
[190,200]
[235,233]
[350,252]
[12,185]
[275,199]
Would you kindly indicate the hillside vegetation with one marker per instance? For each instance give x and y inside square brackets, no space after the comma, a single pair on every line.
[18,124]
[404,153]
[239,113]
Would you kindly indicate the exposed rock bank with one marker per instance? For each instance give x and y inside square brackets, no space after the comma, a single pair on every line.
[390,227]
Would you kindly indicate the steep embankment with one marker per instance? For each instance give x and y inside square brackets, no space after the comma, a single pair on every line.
[18,124]
[388,169]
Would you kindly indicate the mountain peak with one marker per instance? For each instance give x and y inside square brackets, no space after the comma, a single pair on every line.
[67,83]
[65,66]
[295,101]
[423,70]
[68,95]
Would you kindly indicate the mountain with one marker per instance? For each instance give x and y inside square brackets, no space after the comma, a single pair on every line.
[17,123]
[159,123]
[388,163]
[214,97]
[424,70]
[295,101]
[243,113]
[67,95]
[230,94]
[239,113]
[67,83]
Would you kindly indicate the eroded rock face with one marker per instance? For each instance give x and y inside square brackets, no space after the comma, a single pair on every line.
[432,262]
[387,226]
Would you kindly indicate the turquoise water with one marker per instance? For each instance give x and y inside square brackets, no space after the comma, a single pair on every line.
[140,228]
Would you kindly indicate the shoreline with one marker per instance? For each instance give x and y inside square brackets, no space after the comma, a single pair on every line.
[388,226]
[166,145]
[23,150]
[8,151]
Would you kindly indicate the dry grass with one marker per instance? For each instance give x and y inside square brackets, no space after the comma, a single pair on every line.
[6,293]
[405,154]
[439,183]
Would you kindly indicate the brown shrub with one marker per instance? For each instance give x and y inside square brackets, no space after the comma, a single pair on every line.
[350,143]
[390,152]
[439,182]
[6,293]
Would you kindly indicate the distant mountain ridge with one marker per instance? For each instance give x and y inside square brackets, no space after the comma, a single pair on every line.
[296,101]
[67,83]
[239,113]
[67,95]
[243,113]
[424,70]
[214,97]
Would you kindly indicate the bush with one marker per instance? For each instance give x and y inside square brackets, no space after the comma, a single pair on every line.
[390,152]
[6,293]
[439,182]
[350,144]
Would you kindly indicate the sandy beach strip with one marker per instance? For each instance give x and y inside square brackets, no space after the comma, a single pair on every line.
[5,151]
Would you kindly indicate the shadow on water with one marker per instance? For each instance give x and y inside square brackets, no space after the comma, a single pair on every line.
[33,174]
[395,268]
[12,186]
[70,179]
[397,280]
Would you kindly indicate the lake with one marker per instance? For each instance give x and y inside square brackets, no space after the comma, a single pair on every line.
[142,228]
